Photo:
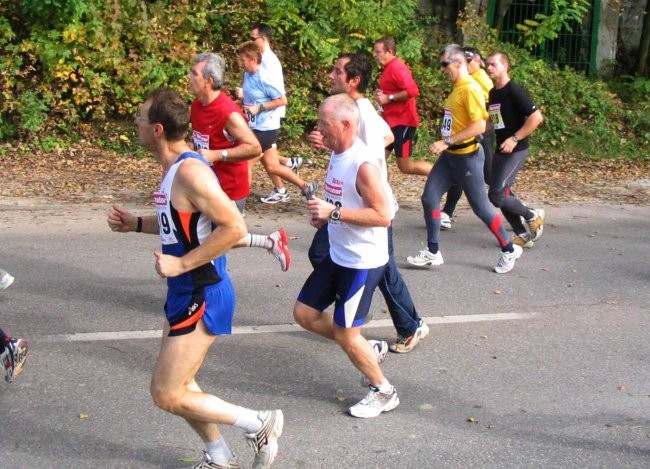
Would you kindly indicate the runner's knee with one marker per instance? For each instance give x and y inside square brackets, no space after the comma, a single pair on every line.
[497,197]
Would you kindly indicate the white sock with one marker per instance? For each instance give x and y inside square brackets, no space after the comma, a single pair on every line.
[385,387]
[258,241]
[219,451]
[280,190]
[247,420]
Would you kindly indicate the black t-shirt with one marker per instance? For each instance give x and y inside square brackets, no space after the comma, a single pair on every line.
[509,107]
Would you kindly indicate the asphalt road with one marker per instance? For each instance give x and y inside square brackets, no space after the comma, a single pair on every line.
[547,366]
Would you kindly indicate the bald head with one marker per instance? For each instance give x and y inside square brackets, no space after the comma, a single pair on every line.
[338,122]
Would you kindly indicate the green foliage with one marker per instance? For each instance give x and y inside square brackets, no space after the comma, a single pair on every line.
[70,65]
[581,114]
[563,14]
[635,93]
[33,111]
[319,30]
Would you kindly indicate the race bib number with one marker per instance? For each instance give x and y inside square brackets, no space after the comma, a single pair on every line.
[445,129]
[495,116]
[249,116]
[165,224]
[201,141]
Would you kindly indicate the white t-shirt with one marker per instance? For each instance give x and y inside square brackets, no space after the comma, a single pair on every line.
[271,71]
[372,129]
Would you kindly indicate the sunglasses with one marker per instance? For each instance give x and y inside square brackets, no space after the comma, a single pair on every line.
[445,63]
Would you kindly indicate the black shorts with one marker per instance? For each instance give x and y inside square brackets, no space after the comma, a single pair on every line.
[405,139]
[349,289]
[267,138]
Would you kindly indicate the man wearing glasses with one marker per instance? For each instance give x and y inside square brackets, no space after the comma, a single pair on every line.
[197,224]
[461,161]
[475,67]
[272,69]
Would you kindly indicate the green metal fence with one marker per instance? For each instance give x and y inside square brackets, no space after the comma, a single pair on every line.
[576,48]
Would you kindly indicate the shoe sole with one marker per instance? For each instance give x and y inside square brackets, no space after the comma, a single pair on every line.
[526,245]
[273,202]
[425,264]
[287,255]
[540,231]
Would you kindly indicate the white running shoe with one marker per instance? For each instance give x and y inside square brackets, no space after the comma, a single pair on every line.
[380,348]
[295,163]
[423,329]
[275,197]
[445,221]
[507,260]
[425,257]
[264,442]
[280,249]
[13,358]
[374,403]
[6,280]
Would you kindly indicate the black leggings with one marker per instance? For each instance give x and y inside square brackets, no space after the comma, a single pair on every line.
[505,168]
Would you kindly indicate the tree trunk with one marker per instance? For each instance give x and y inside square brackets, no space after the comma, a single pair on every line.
[644,45]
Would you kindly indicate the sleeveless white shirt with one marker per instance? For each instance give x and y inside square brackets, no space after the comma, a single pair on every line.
[353,246]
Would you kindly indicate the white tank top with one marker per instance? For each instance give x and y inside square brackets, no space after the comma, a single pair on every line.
[353,246]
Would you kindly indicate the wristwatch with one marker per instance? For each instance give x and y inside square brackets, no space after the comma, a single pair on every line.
[448,141]
[515,138]
[224,155]
[391,97]
[336,214]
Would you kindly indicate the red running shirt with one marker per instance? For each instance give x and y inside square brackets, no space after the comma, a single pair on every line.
[395,78]
[209,132]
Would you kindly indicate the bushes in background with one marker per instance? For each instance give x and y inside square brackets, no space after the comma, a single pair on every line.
[73,67]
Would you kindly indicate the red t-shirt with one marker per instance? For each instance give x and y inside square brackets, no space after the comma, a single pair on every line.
[397,77]
[209,132]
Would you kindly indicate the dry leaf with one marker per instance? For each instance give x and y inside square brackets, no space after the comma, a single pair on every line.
[83,416]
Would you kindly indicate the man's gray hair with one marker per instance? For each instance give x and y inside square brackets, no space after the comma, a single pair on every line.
[215,68]
[454,52]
